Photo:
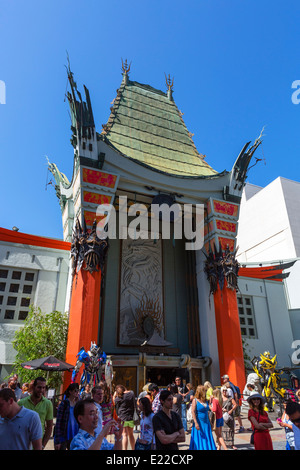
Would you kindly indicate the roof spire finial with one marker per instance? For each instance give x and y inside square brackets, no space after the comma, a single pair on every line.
[170,84]
[126,70]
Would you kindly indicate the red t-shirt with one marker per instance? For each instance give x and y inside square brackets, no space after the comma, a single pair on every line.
[216,408]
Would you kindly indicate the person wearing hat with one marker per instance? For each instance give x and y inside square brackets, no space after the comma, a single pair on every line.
[232,390]
[260,422]
[145,393]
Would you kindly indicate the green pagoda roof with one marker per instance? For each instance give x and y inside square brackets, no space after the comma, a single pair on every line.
[146,126]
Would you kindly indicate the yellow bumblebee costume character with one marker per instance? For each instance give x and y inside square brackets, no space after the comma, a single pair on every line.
[265,368]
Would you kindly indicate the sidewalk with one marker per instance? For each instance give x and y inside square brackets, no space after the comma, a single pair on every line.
[241,440]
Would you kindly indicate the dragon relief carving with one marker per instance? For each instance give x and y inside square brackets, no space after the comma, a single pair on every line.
[221,266]
[88,251]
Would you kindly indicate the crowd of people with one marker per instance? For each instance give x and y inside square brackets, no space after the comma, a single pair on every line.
[163,415]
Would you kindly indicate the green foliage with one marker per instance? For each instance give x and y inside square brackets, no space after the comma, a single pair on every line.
[42,335]
[247,358]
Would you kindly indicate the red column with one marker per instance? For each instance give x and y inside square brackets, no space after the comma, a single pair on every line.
[229,336]
[84,315]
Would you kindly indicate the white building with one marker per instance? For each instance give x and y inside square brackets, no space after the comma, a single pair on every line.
[33,270]
[269,234]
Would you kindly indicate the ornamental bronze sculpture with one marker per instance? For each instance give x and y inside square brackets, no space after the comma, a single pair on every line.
[221,266]
[88,251]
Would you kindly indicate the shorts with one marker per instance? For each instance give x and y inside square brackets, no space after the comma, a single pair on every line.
[237,411]
[128,424]
[219,422]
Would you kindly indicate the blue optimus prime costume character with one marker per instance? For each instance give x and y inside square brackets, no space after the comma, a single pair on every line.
[93,360]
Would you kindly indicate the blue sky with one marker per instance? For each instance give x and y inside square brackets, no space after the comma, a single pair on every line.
[233,64]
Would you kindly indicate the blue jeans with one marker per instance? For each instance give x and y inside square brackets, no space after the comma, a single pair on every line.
[183,416]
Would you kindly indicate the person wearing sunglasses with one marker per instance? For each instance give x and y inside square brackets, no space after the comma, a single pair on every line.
[260,422]
[293,410]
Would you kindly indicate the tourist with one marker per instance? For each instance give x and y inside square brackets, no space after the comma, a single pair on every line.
[25,390]
[216,408]
[177,399]
[125,405]
[87,438]
[182,390]
[107,403]
[293,411]
[30,388]
[66,426]
[97,396]
[248,390]
[228,407]
[209,390]
[13,385]
[201,435]
[167,424]
[145,393]
[86,392]
[159,380]
[146,439]
[188,398]
[155,394]
[287,424]
[36,401]
[20,429]
[237,397]
[260,422]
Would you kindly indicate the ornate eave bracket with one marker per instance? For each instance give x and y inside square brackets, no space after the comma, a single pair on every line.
[240,170]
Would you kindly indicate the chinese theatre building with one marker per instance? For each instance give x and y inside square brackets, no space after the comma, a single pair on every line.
[155,306]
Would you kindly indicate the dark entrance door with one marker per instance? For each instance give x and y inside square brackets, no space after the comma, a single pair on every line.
[163,376]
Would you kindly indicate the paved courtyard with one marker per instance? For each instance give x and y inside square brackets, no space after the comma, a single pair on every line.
[242,440]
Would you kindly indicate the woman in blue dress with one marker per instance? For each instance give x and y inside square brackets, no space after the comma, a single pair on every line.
[201,435]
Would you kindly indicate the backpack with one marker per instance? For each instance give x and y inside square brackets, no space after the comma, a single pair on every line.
[238,392]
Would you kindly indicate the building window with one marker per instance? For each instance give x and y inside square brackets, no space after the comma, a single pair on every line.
[247,317]
[16,275]
[17,293]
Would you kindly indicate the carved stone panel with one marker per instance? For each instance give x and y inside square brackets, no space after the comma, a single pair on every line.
[141,294]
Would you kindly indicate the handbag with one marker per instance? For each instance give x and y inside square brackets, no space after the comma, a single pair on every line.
[140,446]
[189,415]
[227,417]
[253,432]
[136,418]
